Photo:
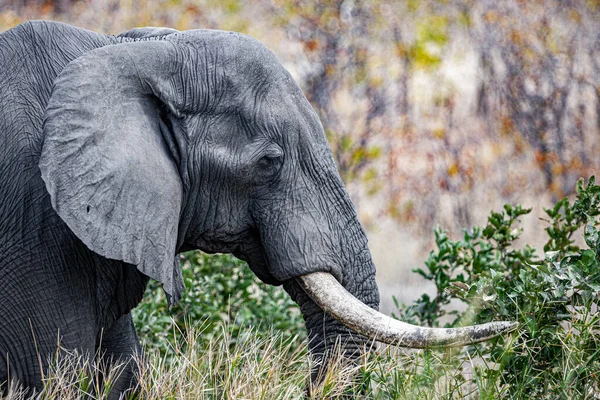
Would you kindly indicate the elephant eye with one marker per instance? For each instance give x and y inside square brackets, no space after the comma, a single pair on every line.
[269,164]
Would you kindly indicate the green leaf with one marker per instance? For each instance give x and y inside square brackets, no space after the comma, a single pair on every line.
[591,236]
[588,257]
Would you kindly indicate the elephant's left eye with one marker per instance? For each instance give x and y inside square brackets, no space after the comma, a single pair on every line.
[269,164]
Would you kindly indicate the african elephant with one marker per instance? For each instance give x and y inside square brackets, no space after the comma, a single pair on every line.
[118,152]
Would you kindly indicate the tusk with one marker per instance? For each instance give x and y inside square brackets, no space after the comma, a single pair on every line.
[333,298]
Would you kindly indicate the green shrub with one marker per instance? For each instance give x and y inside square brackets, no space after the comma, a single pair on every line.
[555,299]
[220,290]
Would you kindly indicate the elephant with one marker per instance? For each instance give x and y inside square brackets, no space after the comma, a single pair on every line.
[119,152]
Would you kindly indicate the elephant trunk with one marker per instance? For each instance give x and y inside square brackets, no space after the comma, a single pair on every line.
[328,335]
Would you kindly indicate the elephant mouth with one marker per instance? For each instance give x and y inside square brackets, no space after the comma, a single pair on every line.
[334,299]
[252,251]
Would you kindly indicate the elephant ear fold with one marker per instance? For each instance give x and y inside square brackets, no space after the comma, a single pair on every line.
[105,158]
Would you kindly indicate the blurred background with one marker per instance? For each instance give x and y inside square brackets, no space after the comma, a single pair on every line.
[437,111]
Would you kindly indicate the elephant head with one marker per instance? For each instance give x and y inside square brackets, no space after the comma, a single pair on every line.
[202,140]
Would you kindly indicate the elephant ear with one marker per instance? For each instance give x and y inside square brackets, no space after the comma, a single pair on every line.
[106,158]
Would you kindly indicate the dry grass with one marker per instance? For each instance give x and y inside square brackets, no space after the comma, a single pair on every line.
[224,367]
[249,367]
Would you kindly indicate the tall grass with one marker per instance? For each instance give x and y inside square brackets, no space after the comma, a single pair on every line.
[252,366]
[246,366]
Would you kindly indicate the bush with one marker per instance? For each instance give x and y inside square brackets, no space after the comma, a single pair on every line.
[555,300]
[220,289]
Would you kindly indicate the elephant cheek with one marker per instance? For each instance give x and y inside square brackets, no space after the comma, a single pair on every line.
[254,256]
[299,248]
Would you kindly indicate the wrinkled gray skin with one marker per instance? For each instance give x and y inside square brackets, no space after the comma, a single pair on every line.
[117,153]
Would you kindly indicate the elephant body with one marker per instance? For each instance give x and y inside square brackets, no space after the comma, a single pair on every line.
[68,275]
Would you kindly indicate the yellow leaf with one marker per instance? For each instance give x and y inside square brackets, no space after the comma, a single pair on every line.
[491,17]
[453,169]
[439,133]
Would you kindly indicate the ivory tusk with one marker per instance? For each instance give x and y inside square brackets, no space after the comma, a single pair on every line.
[334,299]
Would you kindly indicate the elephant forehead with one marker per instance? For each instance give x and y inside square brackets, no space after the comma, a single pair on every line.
[269,111]
[241,54]
[241,72]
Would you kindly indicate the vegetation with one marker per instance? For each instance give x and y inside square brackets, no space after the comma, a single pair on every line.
[555,300]
[221,291]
